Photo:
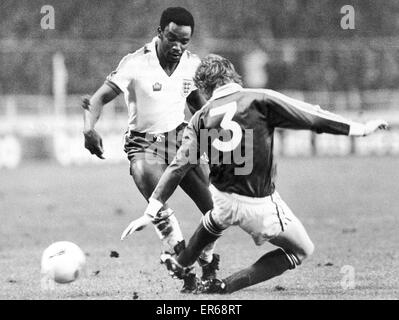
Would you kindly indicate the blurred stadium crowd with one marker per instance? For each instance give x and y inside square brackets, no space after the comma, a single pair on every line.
[304,46]
[294,46]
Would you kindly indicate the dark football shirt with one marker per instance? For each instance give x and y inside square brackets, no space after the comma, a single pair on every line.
[234,132]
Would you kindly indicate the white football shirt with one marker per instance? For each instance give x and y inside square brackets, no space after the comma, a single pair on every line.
[155,101]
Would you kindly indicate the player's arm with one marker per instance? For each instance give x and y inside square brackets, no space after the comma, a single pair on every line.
[195,101]
[115,83]
[285,112]
[186,158]
[92,109]
[93,106]
[175,172]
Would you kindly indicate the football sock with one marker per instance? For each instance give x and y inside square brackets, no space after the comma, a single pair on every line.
[168,230]
[270,265]
[179,247]
[207,254]
[206,233]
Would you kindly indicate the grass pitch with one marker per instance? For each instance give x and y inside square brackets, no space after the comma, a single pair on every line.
[349,206]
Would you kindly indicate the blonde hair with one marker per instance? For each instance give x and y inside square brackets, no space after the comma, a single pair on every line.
[215,71]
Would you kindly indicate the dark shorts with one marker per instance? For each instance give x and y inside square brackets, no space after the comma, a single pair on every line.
[161,147]
[158,151]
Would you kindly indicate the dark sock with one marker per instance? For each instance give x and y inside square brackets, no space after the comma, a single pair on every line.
[179,247]
[270,265]
[199,240]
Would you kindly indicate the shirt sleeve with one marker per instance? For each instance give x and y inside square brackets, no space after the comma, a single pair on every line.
[187,157]
[286,112]
[120,78]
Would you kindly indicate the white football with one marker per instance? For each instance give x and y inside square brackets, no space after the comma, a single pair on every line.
[63,262]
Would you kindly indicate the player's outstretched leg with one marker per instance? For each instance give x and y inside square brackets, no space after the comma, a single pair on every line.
[191,282]
[295,246]
[196,185]
[146,175]
[209,262]
[295,241]
[206,234]
[168,230]
[270,265]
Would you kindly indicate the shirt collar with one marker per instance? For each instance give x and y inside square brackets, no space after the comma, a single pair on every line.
[225,90]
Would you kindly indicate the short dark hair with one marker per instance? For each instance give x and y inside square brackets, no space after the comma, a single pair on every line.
[178,15]
[215,71]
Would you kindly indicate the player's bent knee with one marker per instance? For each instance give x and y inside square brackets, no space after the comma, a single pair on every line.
[296,257]
[310,249]
[306,251]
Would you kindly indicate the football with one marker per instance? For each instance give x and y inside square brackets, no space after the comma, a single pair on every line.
[63,262]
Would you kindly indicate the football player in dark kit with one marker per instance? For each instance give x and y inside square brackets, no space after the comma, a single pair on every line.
[244,195]
[157,84]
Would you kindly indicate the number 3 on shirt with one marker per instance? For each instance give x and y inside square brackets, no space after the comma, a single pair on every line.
[229,111]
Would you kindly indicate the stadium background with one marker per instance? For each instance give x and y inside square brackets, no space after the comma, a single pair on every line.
[297,47]
[345,191]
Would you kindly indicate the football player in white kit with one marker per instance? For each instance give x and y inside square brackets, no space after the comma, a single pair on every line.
[157,83]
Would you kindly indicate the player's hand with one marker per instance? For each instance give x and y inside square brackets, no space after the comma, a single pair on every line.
[136,225]
[152,213]
[374,125]
[94,143]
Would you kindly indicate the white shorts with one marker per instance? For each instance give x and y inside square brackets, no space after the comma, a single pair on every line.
[263,218]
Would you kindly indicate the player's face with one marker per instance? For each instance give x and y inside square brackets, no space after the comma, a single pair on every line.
[174,41]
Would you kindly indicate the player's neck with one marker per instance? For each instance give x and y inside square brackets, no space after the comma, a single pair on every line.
[168,67]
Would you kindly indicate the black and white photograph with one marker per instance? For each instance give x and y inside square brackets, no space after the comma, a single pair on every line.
[185,150]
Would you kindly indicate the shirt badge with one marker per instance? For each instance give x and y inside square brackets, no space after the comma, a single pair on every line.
[188,85]
[156,86]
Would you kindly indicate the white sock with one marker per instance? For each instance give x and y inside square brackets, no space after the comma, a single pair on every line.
[168,230]
[207,253]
